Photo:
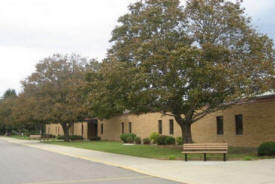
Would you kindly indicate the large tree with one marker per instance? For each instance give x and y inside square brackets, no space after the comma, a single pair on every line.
[56,90]
[7,104]
[183,61]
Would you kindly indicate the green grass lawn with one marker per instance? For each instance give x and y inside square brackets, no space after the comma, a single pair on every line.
[153,151]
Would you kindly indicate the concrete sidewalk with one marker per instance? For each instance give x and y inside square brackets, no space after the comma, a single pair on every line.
[191,172]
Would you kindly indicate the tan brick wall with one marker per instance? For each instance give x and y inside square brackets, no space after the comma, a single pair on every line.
[76,129]
[258,125]
[142,125]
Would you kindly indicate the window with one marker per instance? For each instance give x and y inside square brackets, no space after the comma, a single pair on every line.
[122,128]
[82,130]
[130,127]
[72,130]
[171,123]
[101,128]
[239,124]
[160,126]
[219,125]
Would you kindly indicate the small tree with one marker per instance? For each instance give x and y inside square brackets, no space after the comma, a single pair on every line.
[183,61]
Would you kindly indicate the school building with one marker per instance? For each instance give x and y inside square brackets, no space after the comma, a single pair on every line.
[242,125]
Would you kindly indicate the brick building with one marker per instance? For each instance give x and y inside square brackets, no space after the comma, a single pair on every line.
[245,124]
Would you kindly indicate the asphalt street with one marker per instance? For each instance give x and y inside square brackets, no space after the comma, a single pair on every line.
[20,164]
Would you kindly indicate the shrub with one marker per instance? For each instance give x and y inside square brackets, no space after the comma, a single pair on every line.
[153,137]
[138,140]
[146,141]
[72,137]
[124,137]
[169,140]
[161,140]
[266,149]
[165,140]
[130,139]
[49,136]
[14,132]
[179,141]
[75,137]
[59,137]
[97,138]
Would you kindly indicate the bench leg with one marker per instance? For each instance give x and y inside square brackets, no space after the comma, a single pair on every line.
[224,157]
[185,155]
[204,155]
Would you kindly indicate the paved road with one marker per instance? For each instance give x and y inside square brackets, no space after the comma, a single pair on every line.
[24,165]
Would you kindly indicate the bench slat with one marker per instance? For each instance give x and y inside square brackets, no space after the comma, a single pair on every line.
[204,152]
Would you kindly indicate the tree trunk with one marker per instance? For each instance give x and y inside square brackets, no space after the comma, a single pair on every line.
[186,133]
[185,126]
[66,127]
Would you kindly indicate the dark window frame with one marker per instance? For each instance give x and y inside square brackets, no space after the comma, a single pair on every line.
[82,129]
[101,129]
[160,126]
[130,127]
[122,128]
[219,120]
[239,124]
[171,127]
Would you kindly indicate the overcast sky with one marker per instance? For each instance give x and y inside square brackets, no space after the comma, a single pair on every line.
[33,29]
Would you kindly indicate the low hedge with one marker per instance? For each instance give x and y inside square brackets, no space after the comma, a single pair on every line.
[170,140]
[267,149]
[161,140]
[128,137]
[146,141]
[72,137]
[165,140]
[153,137]
[97,138]
[179,141]
[138,140]
[48,136]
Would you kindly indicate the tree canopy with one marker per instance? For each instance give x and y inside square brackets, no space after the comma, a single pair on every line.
[185,61]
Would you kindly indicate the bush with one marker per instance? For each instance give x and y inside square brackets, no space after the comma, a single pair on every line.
[72,137]
[124,137]
[267,149]
[97,138]
[170,140]
[146,141]
[14,132]
[165,140]
[179,141]
[161,140]
[153,137]
[130,139]
[49,136]
[138,140]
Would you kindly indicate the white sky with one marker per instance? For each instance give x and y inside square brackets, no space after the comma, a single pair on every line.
[33,29]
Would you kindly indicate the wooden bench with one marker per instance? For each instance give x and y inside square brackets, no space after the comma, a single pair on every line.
[206,148]
[35,136]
